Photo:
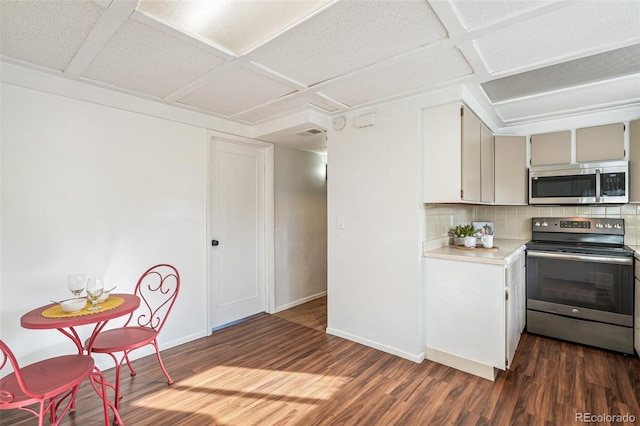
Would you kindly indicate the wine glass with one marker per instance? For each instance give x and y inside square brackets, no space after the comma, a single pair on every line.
[95,286]
[75,282]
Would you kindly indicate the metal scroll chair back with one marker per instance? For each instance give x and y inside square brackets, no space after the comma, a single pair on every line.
[157,289]
[52,384]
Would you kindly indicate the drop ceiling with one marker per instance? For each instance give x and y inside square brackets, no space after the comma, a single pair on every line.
[255,62]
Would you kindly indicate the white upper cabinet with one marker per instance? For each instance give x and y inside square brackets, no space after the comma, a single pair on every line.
[634,161]
[551,148]
[510,169]
[487,165]
[465,162]
[600,143]
[471,168]
[458,156]
[442,135]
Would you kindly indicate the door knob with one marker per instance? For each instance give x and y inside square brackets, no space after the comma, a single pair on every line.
[215,243]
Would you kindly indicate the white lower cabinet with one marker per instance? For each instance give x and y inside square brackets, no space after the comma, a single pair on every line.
[636,321]
[474,314]
[515,304]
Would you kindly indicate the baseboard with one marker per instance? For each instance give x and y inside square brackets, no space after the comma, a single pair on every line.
[377,345]
[472,367]
[300,302]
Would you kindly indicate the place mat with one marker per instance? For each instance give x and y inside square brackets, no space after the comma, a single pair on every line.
[57,312]
[477,248]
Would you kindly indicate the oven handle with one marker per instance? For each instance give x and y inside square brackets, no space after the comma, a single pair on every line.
[582,258]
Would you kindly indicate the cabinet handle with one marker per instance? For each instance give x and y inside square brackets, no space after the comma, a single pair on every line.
[575,311]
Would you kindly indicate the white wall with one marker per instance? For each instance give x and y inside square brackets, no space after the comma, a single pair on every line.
[374,282]
[95,189]
[300,227]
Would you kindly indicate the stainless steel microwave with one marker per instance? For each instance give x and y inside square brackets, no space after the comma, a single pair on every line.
[586,183]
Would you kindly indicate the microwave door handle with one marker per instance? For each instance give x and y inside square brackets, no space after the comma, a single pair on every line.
[598,189]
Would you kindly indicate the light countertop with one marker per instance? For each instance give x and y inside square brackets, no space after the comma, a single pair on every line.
[507,251]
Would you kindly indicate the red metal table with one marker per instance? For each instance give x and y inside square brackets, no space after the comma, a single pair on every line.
[67,326]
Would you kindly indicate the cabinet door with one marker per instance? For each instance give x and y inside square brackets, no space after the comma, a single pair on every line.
[522,294]
[636,322]
[551,148]
[441,154]
[514,295]
[634,161]
[486,165]
[513,334]
[636,331]
[510,169]
[600,143]
[471,188]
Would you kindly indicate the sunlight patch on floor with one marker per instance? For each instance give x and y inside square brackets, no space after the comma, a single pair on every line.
[238,392]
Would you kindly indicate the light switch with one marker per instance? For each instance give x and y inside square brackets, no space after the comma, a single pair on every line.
[340,222]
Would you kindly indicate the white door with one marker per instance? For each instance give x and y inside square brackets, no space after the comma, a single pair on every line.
[238,259]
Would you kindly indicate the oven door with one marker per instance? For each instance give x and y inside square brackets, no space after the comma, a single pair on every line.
[592,287]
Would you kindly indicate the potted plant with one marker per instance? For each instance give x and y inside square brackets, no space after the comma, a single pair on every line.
[464,235]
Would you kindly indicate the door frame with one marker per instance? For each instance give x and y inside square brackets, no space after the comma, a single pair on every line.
[269,220]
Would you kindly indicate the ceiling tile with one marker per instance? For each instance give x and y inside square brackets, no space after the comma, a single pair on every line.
[607,65]
[146,60]
[585,26]
[479,14]
[236,91]
[616,92]
[46,33]
[236,26]
[358,34]
[413,72]
[283,106]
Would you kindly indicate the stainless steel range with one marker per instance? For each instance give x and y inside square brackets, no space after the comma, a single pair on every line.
[580,284]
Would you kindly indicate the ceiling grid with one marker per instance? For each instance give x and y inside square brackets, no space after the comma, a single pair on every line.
[254,62]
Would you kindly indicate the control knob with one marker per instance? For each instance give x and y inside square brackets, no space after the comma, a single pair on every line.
[536,224]
[598,225]
[608,226]
[617,226]
[544,223]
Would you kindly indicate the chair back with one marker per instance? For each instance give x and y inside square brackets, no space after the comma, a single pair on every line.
[157,289]
[8,358]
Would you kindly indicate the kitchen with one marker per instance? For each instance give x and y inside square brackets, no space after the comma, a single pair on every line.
[593,192]
[376,269]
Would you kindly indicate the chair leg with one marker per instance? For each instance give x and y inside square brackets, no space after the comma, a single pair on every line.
[164,370]
[117,397]
[42,413]
[126,356]
[97,378]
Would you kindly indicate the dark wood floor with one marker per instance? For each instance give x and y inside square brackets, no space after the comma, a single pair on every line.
[275,370]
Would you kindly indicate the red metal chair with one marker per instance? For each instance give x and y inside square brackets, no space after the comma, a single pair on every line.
[52,383]
[157,288]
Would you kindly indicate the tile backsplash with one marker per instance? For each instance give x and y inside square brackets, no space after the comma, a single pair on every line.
[515,221]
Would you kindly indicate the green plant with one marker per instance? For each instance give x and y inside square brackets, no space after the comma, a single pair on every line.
[463,231]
